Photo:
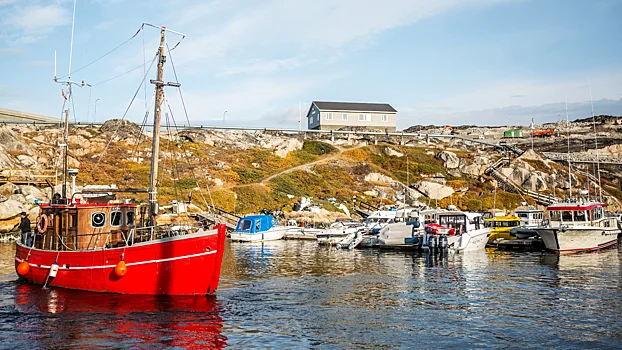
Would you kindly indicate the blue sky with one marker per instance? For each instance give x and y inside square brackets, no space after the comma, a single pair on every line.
[487,62]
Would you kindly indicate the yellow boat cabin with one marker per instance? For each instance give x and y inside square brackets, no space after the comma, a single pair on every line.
[501,226]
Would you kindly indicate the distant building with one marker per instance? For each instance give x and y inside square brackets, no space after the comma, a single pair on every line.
[337,115]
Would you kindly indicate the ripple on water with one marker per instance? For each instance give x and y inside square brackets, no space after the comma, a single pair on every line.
[294,294]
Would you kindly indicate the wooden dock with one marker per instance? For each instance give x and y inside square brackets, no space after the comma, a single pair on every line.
[31,177]
[530,244]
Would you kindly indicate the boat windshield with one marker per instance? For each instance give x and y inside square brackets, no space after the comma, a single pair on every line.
[457,222]
[569,215]
[245,225]
[513,223]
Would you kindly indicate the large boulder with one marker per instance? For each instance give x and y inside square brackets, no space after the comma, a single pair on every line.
[433,190]
[391,152]
[379,178]
[122,128]
[287,145]
[450,159]
[9,214]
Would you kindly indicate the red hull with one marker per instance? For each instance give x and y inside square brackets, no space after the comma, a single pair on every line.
[182,265]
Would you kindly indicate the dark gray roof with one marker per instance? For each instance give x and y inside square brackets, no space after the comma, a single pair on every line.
[354,106]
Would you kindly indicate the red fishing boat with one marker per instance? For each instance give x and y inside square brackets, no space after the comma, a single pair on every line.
[100,245]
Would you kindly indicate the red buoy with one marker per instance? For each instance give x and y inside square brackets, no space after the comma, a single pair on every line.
[23,268]
[120,269]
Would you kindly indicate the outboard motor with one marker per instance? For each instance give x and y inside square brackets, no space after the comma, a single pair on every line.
[442,242]
[432,242]
[425,242]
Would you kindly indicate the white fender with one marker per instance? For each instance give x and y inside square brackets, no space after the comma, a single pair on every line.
[53,270]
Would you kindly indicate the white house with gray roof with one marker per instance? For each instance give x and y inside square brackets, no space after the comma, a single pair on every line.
[348,115]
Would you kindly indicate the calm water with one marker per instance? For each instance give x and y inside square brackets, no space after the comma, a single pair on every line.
[293,294]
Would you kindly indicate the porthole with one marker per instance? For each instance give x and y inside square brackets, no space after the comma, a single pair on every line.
[98,219]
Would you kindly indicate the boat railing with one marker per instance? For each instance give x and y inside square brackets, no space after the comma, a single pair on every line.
[128,238]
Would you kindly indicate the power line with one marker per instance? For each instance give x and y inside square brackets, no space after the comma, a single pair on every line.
[107,53]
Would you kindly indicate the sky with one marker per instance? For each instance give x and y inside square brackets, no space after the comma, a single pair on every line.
[261,63]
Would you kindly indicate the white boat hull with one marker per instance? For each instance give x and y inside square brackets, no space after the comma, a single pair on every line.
[474,240]
[575,239]
[301,233]
[271,235]
[397,234]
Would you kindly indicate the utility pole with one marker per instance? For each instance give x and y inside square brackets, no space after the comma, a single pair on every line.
[155,147]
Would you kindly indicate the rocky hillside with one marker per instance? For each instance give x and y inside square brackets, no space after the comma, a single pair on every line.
[245,172]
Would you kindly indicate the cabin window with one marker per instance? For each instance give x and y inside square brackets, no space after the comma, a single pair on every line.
[116,218]
[597,213]
[567,215]
[130,218]
[98,219]
[579,215]
[73,220]
[257,225]
[245,225]
[555,215]
[522,215]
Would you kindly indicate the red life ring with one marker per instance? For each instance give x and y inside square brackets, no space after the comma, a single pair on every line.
[42,223]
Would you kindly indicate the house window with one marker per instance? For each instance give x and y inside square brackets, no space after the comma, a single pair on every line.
[384,118]
[98,219]
[361,117]
[116,217]
[329,116]
[344,116]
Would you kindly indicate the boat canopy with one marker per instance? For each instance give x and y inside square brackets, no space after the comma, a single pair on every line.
[256,223]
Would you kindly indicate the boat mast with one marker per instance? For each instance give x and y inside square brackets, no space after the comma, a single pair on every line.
[600,190]
[155,147]
[568,127]
[66,129]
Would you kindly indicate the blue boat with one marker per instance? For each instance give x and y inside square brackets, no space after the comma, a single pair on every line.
[258,228]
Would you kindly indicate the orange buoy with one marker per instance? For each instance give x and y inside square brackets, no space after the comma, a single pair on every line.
[120,269]
[23,268]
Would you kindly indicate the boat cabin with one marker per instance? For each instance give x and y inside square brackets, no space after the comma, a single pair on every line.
[461,221]
[381,216]
[502,222]
[580,214]
[256,223]
[530,217]
[84,226]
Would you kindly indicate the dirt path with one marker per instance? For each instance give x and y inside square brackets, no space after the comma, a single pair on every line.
[308,165]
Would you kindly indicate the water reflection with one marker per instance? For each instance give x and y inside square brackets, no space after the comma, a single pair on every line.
[53,317]
[294,294]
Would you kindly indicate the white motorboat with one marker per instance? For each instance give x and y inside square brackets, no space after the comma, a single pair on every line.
[407,229]
[457,231]
[301,232]
[378,219]
[530,218]
[338,231]
[257,228]
[578,226]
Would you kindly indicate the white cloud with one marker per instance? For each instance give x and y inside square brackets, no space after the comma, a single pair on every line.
[10,51]
[37,18]
[517,101]
[251,99]
[297,28]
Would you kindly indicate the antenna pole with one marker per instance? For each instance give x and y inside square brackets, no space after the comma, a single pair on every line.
[73,23]
[155,147]
[600,190]
[568,127]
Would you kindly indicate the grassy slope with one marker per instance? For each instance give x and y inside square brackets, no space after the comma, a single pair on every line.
[340,179]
